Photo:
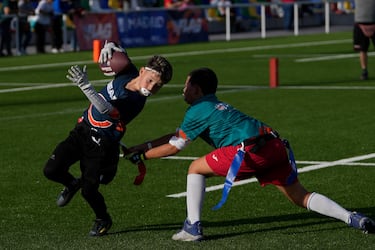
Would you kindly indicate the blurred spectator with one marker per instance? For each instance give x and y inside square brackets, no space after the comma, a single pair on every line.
[343,7]
[115,4]
[307,9]
[25,9]
[134,5]
[60,7]
[186,3]
[82,4]
[221,6]
[125,5]
[8,10]
[44,14]
[75,9]
[276,10]
[364,31]
[149,3]
[99,6]
[176,4]
[168,3]
[56,26]
[288,13]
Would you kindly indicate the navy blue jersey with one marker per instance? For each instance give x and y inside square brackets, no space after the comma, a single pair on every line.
[128,103]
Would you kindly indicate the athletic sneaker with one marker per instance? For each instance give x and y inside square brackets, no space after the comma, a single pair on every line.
[364,75]
[362,222]
[68,192]
[189,232]
[101,227]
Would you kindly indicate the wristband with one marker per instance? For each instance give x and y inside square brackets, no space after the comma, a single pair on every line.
[143,156]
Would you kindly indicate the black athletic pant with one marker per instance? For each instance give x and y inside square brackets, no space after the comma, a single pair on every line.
[98,164]
[40,35]
[57,32]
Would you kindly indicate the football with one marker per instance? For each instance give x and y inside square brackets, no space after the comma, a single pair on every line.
[119,62]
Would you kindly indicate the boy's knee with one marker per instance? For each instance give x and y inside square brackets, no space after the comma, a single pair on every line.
[49,170]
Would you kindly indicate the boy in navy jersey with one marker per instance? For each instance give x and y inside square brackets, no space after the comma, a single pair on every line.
[94,141]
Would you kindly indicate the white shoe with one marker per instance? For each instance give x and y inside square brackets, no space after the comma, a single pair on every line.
[189,232]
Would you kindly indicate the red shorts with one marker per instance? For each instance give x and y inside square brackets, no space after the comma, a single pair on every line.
[270,164]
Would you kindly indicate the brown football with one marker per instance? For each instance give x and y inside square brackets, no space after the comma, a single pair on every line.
[119,62]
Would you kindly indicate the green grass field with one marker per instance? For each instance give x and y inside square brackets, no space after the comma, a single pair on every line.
[321,106]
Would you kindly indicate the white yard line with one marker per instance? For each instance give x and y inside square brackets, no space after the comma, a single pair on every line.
[315,166]
[233,88]
[44,86]
[43,66]
[35,86]
[75,110]
[227,89]
[330,87]
[332,57]
[313,57]
[187,53]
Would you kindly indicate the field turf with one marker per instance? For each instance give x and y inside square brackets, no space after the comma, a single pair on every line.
[321,106]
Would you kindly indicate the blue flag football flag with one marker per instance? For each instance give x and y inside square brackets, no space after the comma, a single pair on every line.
[235,166]
[231,176]
[292,161]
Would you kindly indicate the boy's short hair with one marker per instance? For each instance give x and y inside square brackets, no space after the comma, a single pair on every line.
[205,78]
[161,65]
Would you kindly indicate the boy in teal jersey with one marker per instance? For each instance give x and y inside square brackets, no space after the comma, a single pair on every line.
[241,142]
[207,111]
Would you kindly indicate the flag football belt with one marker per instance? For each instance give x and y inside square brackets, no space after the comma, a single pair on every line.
[259,141]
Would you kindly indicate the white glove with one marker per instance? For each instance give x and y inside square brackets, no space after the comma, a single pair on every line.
[107,51]
[79,77]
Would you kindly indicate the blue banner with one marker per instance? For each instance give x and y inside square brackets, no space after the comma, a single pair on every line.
[141,28]
[149,28]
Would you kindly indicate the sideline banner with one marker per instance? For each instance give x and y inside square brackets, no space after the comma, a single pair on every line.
[186,26]
[147,28]
[143,28]
[95,27]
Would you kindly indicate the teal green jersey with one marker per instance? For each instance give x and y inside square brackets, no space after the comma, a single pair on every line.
[218,123]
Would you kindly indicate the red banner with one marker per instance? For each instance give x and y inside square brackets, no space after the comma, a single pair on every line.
[96,27]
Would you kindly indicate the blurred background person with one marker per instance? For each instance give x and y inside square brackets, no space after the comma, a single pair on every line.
[99,6]
[75,9]
[25,9]
[364,31]
[288,9]
[56,26]
[7,13]
[60,8]
[44,14]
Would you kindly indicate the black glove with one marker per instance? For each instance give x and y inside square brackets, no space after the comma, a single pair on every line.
[136,158]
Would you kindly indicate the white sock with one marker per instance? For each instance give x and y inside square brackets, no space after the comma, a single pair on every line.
[325,206]
[195,190]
